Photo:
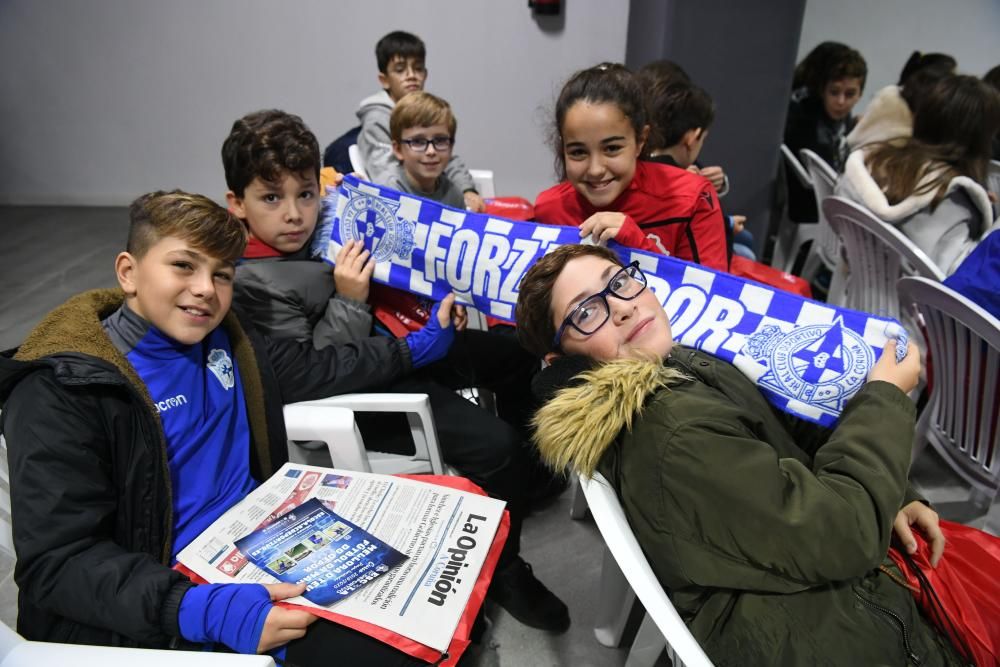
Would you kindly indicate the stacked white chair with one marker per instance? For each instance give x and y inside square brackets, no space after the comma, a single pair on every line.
[792,235]
[877,255]
[825,249]
[962,418]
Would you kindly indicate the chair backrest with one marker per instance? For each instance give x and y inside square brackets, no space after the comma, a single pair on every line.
[796,167]
[357,162]
[682,647]
[16,651]
[8,558]
[824,179]
[962,418]
[483,178]
[6,533]
[878,255]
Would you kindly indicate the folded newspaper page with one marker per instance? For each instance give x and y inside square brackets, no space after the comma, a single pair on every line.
[445,533]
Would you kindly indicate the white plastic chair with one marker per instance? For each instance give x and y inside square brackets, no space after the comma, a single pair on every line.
[8,589]
[879,256]
[962,419]
[483,178]
[357,162]
[662,627]
[825,248]
[313,420]
[791,234]
[16,651]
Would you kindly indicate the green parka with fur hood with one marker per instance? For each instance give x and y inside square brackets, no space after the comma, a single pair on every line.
[767,532]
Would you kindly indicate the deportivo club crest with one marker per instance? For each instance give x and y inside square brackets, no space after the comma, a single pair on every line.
[373,221]
[222,367]
[822,365]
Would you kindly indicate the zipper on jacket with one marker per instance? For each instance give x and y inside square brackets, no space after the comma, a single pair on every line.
[913,657]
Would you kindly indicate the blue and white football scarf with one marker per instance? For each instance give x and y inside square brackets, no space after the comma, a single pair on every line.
[807,357]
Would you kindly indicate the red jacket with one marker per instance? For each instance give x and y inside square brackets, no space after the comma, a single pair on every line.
[667,210]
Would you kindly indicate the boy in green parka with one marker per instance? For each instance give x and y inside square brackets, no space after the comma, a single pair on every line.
[769,533]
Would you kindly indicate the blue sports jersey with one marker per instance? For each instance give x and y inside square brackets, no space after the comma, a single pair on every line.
[197,392]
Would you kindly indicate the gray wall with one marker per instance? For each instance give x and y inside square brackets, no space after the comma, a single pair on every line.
[887,31]
[743,54]
[106,99]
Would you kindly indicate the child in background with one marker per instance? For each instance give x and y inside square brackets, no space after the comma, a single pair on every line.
[680,116]
[400,57]
[600,130]
[271,161]
[826,86]
[422,127]
[135,417]
[932,187]
[666,74]
[889,116]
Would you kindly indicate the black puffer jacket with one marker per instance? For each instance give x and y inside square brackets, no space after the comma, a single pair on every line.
[90,488]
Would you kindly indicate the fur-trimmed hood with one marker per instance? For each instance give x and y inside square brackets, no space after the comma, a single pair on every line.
[861,187]
[575,428]
[887,118]
[75,328]
[72,341]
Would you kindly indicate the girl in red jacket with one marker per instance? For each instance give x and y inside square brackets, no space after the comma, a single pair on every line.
[601,127]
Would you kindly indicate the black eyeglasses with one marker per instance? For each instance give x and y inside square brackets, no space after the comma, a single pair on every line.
[594,311]
[419,145]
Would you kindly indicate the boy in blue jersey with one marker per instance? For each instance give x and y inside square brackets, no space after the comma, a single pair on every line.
[135,417]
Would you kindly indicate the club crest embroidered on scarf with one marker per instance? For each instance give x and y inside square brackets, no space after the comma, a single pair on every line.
[807,357]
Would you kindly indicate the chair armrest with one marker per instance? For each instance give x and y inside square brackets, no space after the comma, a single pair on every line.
[417,408]
[333,425]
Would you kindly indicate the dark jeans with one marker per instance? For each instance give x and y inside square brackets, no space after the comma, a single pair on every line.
[492,452]
[327,643]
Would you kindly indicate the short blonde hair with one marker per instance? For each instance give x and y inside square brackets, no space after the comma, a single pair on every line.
[193,218]
[420,109]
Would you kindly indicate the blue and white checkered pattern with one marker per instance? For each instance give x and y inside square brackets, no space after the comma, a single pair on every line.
[808,358]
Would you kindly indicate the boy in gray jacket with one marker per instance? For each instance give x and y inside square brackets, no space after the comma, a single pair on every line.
[272,169]
[400,57]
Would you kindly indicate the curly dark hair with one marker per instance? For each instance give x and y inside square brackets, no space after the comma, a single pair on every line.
[264,144]
[829,61]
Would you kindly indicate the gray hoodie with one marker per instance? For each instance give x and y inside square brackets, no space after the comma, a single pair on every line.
[375,144]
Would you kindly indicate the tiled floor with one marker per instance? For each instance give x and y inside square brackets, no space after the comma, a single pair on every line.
[48,254]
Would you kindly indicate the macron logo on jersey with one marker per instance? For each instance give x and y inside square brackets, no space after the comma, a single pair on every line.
[172,402]
[222,367]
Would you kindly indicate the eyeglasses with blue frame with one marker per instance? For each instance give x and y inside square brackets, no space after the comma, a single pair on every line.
[594,311]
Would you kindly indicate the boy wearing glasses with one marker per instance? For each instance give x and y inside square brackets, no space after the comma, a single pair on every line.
[402,70]
[769,533]
[422,127]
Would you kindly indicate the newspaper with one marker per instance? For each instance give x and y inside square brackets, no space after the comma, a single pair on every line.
[446,533]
